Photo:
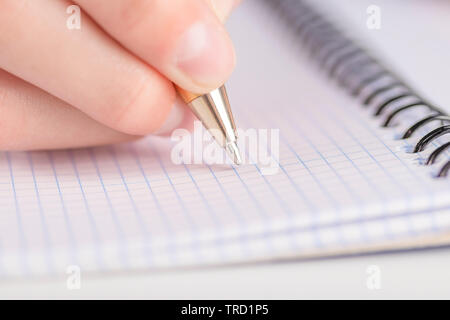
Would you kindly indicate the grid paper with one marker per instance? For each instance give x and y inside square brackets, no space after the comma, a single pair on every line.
[341,184]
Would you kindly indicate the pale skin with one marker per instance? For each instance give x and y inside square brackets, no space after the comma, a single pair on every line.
[112,80]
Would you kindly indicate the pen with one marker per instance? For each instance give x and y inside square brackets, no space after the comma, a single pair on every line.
[213,110]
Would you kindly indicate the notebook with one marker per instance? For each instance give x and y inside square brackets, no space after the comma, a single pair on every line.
[343,183]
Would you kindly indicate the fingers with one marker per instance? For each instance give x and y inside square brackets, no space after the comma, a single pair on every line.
[180,117]
[85,67]
[183,39]
[32,119]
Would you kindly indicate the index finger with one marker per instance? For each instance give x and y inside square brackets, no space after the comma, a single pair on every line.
[183,39]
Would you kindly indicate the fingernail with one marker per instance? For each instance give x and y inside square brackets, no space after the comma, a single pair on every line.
[205,54]
[175,119]
[223,8]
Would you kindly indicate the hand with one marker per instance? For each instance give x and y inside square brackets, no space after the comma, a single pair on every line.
[111,80]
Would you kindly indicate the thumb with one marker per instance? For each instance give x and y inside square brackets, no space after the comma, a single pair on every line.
[180,116]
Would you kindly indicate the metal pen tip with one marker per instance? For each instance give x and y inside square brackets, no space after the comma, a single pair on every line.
[234,153]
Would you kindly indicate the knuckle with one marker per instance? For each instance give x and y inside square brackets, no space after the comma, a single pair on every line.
[135,12]
[144,110]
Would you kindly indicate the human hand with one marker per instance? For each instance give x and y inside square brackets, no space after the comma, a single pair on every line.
[111,80]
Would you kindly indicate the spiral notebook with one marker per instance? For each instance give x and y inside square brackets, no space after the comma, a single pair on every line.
[348,180]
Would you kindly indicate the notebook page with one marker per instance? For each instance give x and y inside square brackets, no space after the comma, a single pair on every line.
[340,183]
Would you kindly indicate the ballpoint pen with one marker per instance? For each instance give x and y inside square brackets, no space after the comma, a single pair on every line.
[213,110]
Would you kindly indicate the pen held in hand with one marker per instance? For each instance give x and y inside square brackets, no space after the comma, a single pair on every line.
[214,111]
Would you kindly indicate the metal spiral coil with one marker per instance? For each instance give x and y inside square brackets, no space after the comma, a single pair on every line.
[354,69]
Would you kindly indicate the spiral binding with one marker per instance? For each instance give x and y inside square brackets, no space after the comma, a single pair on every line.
[355,70]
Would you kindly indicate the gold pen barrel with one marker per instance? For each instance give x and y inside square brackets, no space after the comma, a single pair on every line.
[213,110]
[186,95]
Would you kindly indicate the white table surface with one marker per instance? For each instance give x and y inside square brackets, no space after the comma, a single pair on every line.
[412,274]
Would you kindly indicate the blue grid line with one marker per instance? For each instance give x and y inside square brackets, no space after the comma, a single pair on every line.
[262,212]
[123,252]
[287,210]
[187,214]
[431,195]
[70,233]
[336,204]
[93,225]
[180,200]
[219,240]
[299,192]
[205,201]
[360,122]
[300,160]
[361,172]
[315,226]
[285,207]
[138,216]
[161,211]
[242,225]
[22,239]
[47,240]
